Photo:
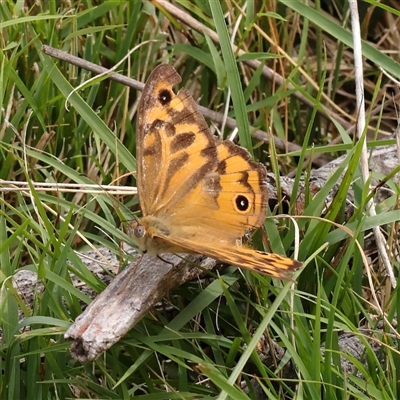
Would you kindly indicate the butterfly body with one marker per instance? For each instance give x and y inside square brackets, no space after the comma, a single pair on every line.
[197,194]
[149,233]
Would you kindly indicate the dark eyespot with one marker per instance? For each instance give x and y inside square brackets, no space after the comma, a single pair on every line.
[242,203]
[139,231]
[164,97]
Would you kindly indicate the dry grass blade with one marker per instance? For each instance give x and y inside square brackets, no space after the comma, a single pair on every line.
[358,64]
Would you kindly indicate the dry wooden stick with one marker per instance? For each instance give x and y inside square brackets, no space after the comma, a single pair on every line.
[130,296]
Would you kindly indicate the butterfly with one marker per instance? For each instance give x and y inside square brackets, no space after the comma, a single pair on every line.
[197,193]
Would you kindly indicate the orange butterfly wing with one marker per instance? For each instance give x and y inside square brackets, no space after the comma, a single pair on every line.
[197,193]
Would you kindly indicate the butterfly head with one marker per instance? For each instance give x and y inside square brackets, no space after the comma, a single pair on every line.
[138,232]
[149,235]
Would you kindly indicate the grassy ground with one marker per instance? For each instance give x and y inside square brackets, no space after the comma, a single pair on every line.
[90,138]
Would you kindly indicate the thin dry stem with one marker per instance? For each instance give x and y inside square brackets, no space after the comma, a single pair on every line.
[18,186]
[257,134]
[359,79]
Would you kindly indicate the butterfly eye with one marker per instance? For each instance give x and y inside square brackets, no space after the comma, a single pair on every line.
[139,231]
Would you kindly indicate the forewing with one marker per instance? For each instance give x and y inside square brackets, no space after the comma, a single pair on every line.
[175,149]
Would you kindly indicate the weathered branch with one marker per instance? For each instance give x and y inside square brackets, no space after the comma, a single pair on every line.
[127,299]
